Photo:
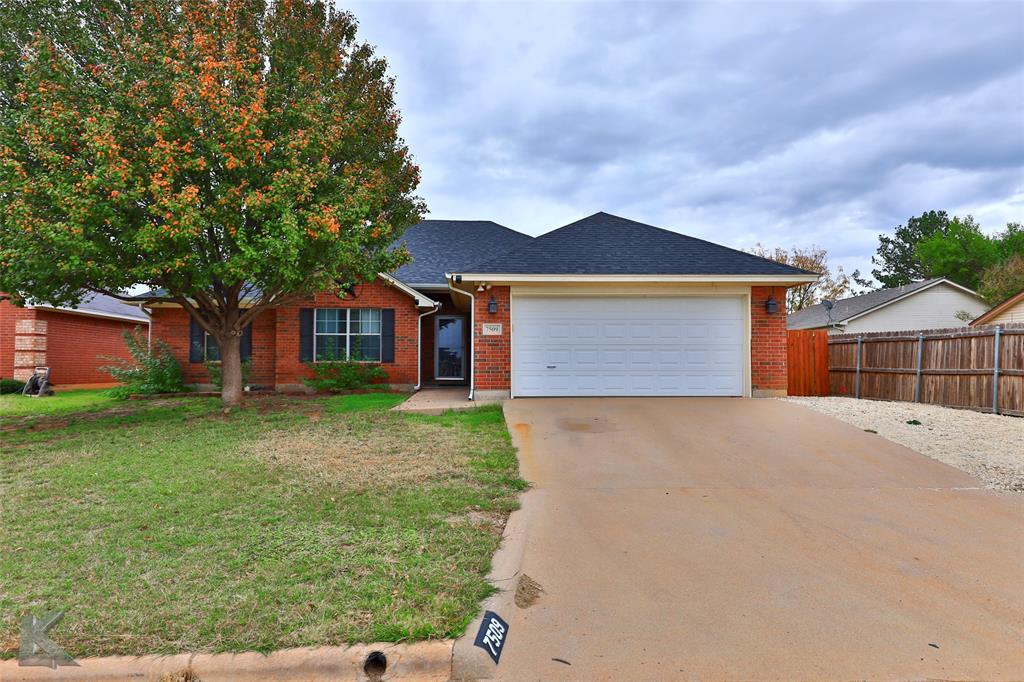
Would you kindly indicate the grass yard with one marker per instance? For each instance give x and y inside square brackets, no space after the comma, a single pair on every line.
[289,522]
[62,402]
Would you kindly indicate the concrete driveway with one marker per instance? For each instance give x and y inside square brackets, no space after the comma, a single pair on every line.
[724,538]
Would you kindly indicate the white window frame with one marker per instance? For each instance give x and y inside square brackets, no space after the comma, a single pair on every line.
[206,348]
[348,334]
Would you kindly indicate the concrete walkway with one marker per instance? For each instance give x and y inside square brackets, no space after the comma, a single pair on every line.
[441,399]
[748,539]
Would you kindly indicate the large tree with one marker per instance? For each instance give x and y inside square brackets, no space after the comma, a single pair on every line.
[231,154]
[897,259]
[831,285]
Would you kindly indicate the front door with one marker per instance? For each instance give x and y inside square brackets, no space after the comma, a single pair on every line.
[450,345]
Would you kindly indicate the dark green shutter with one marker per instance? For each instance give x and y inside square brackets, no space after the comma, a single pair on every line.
[387,335]
[246,345]
[306,334]
[196,335]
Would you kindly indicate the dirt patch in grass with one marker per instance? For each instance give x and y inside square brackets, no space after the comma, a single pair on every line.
[378,451]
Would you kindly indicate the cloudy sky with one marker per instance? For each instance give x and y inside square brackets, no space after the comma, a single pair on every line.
[790,124]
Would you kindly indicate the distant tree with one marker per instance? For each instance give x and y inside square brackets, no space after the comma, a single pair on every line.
[830,286]
[960,252]
[897,259]
[235,154]
[1003,280]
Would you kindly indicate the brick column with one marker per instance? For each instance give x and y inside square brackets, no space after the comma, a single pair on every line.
[767,343]
[29,344]
[493,352]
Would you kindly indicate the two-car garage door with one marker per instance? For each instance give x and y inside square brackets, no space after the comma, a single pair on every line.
[628,346]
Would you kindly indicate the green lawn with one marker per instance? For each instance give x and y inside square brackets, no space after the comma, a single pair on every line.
[289,522]
[62,402]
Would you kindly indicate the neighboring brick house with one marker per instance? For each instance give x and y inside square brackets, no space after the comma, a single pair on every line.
[73,342]
[603,306]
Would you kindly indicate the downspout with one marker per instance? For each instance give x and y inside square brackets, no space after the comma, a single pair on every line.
[149,328]
[419,345]
[472,332]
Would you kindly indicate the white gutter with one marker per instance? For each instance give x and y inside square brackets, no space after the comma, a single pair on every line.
[472,330]
[149,328]
[419,345]
[511,278]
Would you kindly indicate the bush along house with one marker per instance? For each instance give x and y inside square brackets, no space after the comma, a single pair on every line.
[604,306]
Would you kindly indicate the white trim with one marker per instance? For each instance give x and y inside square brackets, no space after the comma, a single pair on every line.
[348,335]
[89,313]
[937,282]
[421,300]
[472,331]
[504,278]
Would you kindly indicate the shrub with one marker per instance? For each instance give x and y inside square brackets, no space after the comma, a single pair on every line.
[11,386]
[213,370]
[148,371]
[342,375]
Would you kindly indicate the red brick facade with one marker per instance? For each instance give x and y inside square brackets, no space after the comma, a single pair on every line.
[767,340]
[275,338]
[493,370]
[72,345]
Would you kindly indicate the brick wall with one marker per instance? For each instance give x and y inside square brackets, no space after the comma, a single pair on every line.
[172,326]
[73,346]
[78,345]
[290,370]
[275,337]
[767,341]
[493,353]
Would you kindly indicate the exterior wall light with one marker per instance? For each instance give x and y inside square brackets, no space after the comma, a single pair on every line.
[492,306]
[771,306]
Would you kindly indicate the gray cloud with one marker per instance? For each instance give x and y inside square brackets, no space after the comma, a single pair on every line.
[793,123]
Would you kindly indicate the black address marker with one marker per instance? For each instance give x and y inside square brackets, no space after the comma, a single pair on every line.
[492,635]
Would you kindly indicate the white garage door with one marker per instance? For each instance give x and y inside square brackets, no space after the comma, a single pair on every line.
[592,346]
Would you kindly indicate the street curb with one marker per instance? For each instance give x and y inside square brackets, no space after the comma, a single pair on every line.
[470,662]
[418,662]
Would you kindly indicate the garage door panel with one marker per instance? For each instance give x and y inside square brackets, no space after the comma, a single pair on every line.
[628,346]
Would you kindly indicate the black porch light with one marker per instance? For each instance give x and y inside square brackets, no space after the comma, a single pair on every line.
[771,306]
[492,306]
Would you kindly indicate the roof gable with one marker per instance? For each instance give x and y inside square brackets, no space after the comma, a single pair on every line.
[999,309]
[605,244]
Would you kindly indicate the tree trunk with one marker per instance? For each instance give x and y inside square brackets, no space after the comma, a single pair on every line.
[231,370]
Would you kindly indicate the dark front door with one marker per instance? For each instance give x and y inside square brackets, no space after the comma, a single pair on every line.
[450,345]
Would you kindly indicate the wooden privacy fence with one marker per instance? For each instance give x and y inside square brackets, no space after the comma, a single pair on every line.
[980,368]
[807,362]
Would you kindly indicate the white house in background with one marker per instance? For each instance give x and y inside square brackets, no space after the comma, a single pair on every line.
[1009,311]
[931,304]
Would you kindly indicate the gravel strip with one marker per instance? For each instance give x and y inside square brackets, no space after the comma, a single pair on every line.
[988,446]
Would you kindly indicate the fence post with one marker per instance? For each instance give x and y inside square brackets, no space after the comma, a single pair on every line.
[917,381]
[856,382]
[995,373]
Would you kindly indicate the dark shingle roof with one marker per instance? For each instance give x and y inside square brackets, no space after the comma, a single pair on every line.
[604,244]
[440,246]
[815,316]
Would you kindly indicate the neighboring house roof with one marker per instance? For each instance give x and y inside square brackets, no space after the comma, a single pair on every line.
[998,310]
[846,309]
[101,305]
[440,246]
[604,244]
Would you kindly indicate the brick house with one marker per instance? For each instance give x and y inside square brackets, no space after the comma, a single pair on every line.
[603,306]
[73,342]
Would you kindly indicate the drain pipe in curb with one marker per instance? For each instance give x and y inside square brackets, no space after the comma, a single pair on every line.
[419,345]
[452,279]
